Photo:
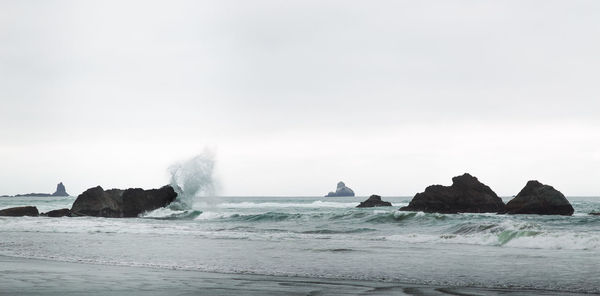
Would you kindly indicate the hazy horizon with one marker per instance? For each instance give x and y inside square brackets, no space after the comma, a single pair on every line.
[293,97]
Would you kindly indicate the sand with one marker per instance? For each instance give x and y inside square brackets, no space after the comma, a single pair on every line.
[22,276]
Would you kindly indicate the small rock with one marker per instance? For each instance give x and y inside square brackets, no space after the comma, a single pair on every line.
[20,211]
[58,213]
[374,201]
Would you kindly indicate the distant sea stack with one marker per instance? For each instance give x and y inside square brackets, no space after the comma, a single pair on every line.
[466,195]
[374,201]
[537,198]
[341,190]
[60,190]
[118,203]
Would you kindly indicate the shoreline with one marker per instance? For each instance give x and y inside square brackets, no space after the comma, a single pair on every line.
[25,276]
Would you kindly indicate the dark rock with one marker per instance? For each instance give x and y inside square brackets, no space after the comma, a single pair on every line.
[20,211]
[34,195]
[60,190]
[117,203]
[341,190]
[466,195]
[537,198]
[58,213]
[374,201]
[595,213]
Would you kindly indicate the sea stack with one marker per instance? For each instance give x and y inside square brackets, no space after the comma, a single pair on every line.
[374,201]
[537,198]
[60,190]
[466,195]
[118,203]
[341,190]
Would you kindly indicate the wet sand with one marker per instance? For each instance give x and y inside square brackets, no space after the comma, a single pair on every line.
[20,276]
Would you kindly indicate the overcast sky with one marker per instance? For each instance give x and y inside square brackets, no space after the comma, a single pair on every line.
[294,96]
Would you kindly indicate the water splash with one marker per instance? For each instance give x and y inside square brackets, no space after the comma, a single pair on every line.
[193,180]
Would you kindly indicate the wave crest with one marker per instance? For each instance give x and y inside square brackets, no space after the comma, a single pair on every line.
[193,180]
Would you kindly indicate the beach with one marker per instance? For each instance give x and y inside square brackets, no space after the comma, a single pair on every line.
[21,276]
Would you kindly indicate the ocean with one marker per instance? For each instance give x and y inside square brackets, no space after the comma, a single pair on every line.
[323,239]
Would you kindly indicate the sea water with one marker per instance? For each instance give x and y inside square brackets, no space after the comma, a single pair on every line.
[320,237]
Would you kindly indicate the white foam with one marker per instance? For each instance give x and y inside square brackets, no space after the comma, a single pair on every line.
[526,240]
[213,215]
[315,204]
[566,241]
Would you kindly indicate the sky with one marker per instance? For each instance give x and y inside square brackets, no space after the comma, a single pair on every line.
[290,97]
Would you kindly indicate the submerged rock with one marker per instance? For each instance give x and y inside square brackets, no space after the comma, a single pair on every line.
[537,198]
[595,213]
[117,203]
[466,195]
[374,201]
[58,213]
[20,211]
[341,190]
[60,190]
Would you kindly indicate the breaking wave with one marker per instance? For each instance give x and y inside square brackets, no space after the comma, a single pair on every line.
[508,233]
[193,180]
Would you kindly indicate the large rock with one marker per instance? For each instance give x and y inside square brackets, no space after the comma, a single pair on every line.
[466,195]
[537,198]
[374,201]
[117,203]
[341,190]
[20,211]
[60,190]
[58,213]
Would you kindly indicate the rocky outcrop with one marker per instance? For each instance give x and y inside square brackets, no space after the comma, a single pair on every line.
[117,203]
[20,211]
[595,213]
[374,201]
[341,190]
[537,198]
[60,190]
[57,213]
[34,195]
[466,195]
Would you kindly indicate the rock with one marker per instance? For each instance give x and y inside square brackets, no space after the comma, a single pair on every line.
[341,190]
[20,211]
[117,203]
[374,201]
[34,195]
[466,195]
[58,213]
[537,198]
[595,213]
[60,190]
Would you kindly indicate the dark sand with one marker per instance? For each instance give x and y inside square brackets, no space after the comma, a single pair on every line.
[19,276]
